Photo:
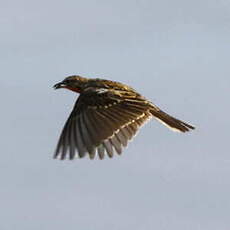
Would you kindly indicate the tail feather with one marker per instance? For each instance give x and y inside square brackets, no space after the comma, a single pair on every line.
[171,122]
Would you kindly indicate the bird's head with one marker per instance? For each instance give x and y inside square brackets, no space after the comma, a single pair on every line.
[74,83]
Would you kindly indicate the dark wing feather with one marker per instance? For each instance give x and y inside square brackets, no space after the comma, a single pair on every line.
[102,121]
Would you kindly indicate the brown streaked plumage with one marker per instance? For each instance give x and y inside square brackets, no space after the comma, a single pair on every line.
[106,116]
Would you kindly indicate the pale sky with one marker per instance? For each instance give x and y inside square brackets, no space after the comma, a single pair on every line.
[176,53]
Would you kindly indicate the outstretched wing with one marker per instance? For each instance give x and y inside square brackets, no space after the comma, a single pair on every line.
[102,121]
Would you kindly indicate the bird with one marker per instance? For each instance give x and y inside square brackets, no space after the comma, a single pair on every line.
[106,116]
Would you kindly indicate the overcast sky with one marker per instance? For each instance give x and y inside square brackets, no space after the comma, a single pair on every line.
[176,53]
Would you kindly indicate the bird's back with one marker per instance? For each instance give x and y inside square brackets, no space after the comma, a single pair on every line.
[107,84]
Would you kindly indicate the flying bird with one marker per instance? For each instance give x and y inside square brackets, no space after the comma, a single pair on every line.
[106,115]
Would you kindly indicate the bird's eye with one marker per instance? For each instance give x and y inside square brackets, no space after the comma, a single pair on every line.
[66,81]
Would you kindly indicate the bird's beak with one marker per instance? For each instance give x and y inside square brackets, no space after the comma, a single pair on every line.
[59,85]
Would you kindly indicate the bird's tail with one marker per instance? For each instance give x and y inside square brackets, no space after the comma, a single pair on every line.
[171,122]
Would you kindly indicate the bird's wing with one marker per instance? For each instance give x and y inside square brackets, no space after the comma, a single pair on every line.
[102,121]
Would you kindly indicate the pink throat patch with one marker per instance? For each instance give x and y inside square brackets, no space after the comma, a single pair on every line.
[77,90]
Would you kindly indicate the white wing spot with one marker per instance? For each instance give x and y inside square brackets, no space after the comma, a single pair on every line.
[100,91]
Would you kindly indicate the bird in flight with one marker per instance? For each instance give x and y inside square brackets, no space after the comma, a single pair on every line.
[106,115]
